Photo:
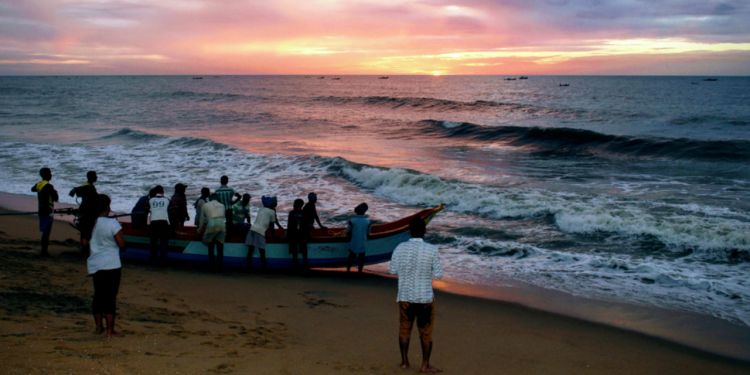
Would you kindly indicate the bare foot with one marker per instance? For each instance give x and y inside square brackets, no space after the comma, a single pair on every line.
[114,334]
[404,365]
[99,330]
[430,370]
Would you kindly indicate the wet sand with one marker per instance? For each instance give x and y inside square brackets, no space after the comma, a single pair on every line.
[183,320]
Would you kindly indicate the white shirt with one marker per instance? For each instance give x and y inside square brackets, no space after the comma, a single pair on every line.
[105,255]
[265,217]
[213,218]
[158,208]
[416,263]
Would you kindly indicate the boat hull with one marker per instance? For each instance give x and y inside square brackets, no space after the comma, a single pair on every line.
[327,248]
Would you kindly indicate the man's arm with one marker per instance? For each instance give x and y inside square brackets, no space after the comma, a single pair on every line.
[317,218]
[394,265]
[236,197]
[437,268]
[276,221]
[120,240]
[53,193]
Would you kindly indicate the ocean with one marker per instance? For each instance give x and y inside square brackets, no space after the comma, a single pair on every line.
[625,189]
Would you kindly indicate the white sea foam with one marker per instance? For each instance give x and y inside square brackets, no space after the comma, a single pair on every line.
[128,169]
[690,228]
[682,284]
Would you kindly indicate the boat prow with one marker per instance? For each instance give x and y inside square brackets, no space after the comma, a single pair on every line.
[327,247]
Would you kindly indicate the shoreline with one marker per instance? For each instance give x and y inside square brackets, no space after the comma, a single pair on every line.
[518,300]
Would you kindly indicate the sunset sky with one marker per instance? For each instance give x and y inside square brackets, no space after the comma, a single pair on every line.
[374,37]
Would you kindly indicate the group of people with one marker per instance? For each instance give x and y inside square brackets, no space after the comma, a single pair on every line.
[87,210]
[101,240]
[415,261]
[226,213]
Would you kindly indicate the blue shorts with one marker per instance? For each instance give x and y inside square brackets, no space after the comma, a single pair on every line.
[45,224]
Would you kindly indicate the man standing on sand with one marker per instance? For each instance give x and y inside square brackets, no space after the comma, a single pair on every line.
[416,263]
[87,210]
[47,196]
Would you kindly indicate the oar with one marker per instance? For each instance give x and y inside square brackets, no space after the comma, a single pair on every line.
[63,211]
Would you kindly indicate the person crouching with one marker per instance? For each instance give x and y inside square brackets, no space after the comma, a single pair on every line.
[256,238]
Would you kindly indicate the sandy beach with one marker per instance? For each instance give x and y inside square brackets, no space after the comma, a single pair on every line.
[182,320]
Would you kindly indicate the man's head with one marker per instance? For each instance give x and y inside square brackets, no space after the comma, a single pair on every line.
[224,180]
[152,192]
[361,208]
[205,192]
[158,190]
[179,188]
[245,199]
[91,176]
[269,201]
[45,173]
[417,227]
[312,197]
[298,203]
[103,203]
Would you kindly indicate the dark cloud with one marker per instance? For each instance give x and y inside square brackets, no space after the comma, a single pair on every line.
[24,21]
[701,20]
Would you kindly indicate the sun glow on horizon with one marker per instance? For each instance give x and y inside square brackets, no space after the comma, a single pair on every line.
[364,37]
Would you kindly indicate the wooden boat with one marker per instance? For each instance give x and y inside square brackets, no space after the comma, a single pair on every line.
[327,248]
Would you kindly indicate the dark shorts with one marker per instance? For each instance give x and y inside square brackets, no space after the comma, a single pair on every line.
[86,226]
[423,313]
[45,223]
[106,286]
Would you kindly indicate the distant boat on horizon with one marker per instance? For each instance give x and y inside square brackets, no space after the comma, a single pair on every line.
[197,77]
[711,79]
[383,77]
[564,84]
[523,77]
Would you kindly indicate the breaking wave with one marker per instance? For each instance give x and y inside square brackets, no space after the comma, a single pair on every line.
[710,237]
[578,142]
[443,105]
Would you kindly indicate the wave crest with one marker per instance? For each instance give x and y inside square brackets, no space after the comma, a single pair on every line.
[579,142]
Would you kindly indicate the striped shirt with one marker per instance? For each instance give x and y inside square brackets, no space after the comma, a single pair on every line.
[225,194]
[416,263]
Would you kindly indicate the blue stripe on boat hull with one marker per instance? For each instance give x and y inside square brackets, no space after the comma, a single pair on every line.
[331,254]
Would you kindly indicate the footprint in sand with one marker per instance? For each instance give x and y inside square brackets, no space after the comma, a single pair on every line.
[224,368]
[210,344]
[314,299]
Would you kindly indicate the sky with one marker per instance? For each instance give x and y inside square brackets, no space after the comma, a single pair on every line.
[439,37]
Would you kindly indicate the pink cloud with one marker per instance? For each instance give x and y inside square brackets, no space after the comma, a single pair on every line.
[233,36]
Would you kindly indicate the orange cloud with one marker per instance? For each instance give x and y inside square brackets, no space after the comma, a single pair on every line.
[365,37]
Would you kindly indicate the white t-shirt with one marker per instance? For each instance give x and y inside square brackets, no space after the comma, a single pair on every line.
[158,208]
[105,255]
[265,217]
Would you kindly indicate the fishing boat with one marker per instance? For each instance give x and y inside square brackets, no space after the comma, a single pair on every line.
[327,247]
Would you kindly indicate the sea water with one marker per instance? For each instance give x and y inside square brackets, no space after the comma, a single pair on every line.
[626,189]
